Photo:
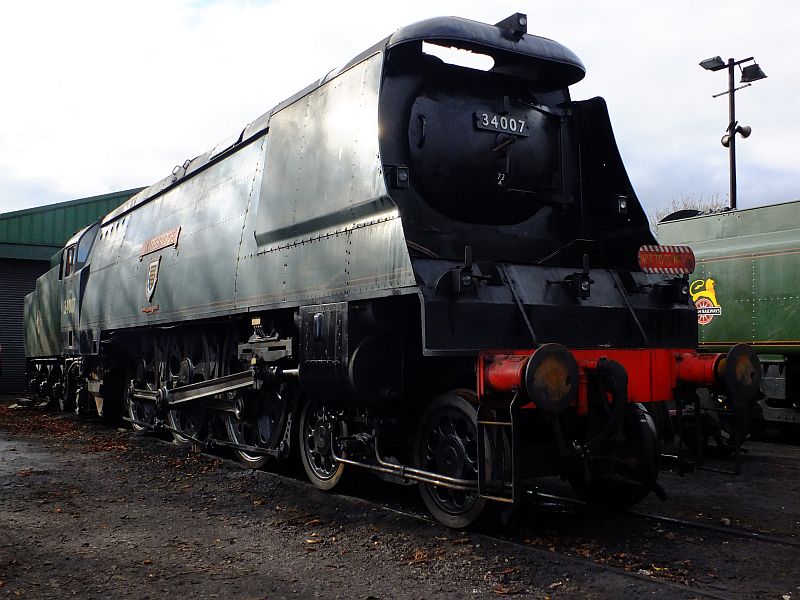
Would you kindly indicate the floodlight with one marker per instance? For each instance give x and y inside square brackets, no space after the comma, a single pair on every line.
[752,73]
[713,64]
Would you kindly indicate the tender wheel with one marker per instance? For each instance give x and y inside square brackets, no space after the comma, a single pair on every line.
[446,443]
[65,403]
[262,423]
[319,426]
[634,470]
[55,389]
[66,400]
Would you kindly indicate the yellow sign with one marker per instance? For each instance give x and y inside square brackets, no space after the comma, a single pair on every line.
[704,296]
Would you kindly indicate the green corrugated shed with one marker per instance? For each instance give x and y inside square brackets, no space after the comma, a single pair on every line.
[28,238]
[38,233]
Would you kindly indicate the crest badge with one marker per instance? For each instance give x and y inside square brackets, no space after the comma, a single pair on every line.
[704,295]
[152,278]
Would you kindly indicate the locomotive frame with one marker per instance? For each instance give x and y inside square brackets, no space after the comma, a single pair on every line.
[384,274]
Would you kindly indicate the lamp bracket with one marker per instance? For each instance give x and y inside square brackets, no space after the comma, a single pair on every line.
[734,89]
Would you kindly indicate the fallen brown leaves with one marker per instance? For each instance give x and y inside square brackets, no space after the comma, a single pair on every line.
[59,426]
[105,445]
[506,590]
[627,561]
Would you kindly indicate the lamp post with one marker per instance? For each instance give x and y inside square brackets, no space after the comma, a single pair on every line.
[750,73]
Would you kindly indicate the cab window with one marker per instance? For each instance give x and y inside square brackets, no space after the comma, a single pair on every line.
[85,245]
[69,261]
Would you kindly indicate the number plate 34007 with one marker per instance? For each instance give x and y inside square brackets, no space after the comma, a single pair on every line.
[501,123]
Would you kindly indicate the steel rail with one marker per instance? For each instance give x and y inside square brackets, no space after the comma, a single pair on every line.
[727,530]
[545,554]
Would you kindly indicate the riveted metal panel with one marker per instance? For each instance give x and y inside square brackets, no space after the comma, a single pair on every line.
[323,169]
[42,316]
[369,259]
[748,268]
[194,277]
[324,348]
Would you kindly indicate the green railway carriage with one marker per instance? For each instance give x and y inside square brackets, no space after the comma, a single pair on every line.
[747,289]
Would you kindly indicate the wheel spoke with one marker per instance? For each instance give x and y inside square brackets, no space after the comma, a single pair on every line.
[449,434]
[320,428]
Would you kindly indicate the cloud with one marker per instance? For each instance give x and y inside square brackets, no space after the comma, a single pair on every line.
[104,95]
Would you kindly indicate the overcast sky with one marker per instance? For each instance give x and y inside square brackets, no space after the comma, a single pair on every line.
[110,95]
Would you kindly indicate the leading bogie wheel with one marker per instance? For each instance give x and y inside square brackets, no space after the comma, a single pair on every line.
[447,444]
[636,460]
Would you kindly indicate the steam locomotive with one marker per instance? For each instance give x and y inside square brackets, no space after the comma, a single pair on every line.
[432,272]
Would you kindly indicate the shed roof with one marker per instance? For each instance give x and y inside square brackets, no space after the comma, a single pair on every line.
[37,233]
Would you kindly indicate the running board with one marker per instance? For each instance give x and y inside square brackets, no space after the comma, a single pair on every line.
[166,398]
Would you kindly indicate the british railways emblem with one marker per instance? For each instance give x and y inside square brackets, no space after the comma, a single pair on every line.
[704,296]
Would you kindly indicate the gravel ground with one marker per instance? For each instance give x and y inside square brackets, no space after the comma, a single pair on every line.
[90,511]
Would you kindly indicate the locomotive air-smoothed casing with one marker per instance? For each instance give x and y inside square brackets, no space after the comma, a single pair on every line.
[314,224]
[308,206]
[532,204]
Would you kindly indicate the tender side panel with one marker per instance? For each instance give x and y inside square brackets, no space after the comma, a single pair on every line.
[42,317]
